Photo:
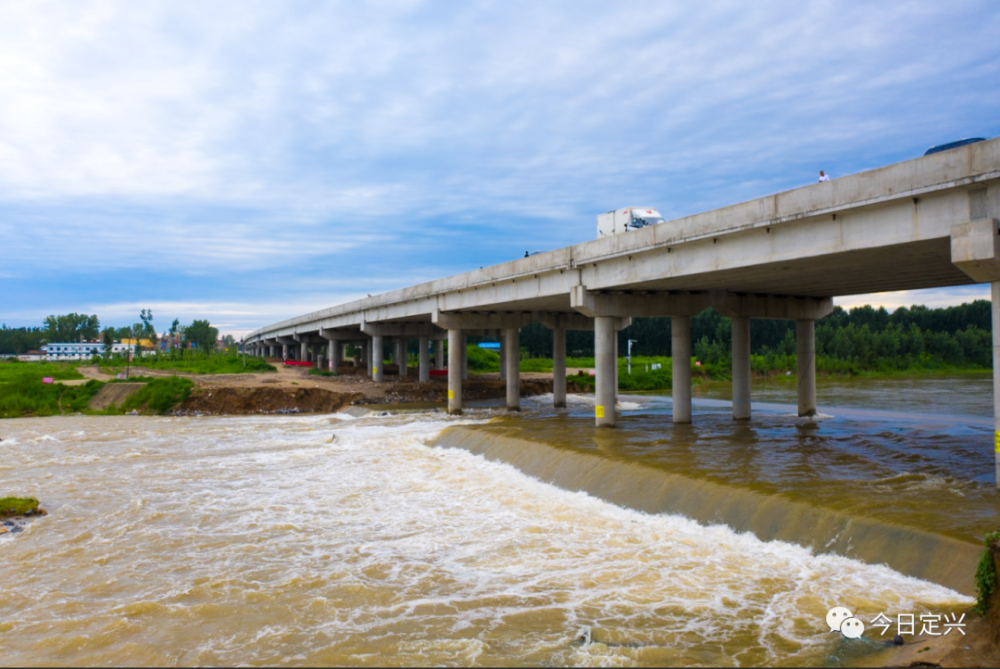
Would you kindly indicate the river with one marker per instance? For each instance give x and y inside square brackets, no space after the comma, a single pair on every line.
[345,540]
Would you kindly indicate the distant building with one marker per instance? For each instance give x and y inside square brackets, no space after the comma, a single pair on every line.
[31,356]
[81,350]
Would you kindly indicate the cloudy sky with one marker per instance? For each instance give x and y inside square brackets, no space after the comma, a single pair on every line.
[250,161]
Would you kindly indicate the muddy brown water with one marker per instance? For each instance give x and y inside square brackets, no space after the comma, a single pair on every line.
[355,540]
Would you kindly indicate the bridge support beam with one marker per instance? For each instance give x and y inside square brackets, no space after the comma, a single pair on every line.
[455,341]
[378,358]
[559,367]
[741,367]
[513,337]
[680,352]
[424,361]
[606,364]
[805,345]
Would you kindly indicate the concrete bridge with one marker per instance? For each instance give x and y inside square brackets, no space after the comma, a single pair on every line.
[924,223]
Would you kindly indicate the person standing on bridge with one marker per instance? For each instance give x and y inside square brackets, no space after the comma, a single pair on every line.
[823,176]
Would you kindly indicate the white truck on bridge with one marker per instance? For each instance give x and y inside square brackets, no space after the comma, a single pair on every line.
[622,220]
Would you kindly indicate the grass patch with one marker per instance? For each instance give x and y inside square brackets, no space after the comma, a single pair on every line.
[31,397]
[193,363]
[15,370]
[321,372]
[17,506]
[158,396]
[481,360]
[986,575]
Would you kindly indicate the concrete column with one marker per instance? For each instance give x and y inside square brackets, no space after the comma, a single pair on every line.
[513,337]
[303,352]
[332,355]
[378,351]
[741,368]
[680,343]
[503,357]
[995,294]
[401,357]
[559,367]
[319,361]
[424,361]
[616,367]
[805,347]
[455,341]
[465,357]
[439,355]
[395,352]
[316,348]
[366,353]
[284,351]
[605,365]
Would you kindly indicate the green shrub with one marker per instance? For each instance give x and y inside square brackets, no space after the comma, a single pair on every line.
[986,575]
[158,396]
[482,360]
[17,506]
[321,372]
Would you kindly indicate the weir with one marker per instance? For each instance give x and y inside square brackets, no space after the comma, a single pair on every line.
[923,223]
[945,560]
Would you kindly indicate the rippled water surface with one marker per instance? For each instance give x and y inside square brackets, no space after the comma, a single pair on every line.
[331,540]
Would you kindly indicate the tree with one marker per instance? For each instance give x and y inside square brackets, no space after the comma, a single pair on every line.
[71,327]
[202,334]
[109,342]
[148,329]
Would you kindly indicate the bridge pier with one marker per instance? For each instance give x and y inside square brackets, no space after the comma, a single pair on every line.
[558,367]
[503,357]
[680,352]
[439,355]
[513,338]
[606,368]
[424,361]
[455,341]
[741,367]
[378,358]
[805,345]
[401,356]
[284,351]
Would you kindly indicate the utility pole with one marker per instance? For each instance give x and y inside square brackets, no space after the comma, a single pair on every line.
[629,356]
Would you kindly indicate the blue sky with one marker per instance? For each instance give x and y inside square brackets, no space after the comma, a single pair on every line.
[249,161]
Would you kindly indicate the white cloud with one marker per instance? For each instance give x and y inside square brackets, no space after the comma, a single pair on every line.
[933,298]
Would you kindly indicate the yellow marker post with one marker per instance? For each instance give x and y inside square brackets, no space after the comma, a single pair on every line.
[451,396]
[599,411]
[996,441]
[374,370]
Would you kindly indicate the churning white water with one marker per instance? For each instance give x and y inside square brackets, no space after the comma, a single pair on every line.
[332,540]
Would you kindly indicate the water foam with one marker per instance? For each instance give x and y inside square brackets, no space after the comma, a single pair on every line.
[254,540]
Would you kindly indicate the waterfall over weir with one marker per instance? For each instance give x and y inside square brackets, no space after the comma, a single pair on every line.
[916,552]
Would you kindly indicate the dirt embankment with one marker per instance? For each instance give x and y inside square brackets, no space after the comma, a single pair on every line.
[328,398]
[113,393]
[254,400]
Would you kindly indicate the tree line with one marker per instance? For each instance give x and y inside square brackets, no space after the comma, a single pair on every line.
[81,327]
